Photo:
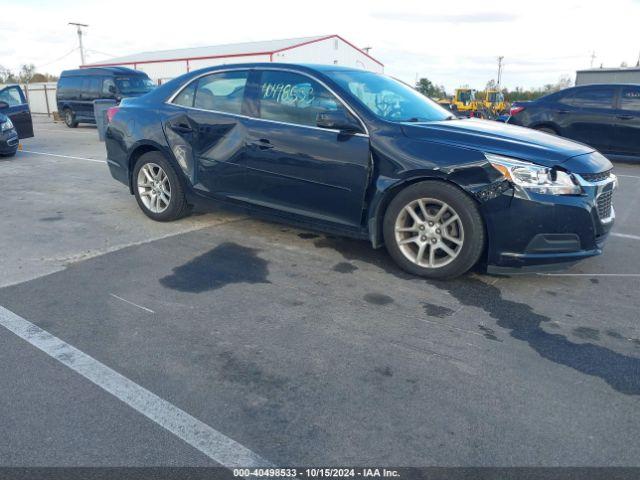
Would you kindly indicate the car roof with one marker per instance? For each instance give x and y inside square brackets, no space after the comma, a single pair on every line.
[605,85]
[295,66]
[101,71]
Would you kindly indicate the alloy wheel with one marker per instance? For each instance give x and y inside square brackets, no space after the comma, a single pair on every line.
[429,233]
[154,187]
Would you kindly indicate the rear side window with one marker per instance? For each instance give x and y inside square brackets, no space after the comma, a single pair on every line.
[293,98]
[12,96]
[593,98]
[221,92]
[187,95]
[630,99]
[68,85]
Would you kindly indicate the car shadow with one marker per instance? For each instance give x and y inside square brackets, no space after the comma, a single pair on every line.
[518,319]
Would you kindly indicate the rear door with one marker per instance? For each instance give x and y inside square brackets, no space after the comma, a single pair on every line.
[588,116]
[206,130]
[626,138]
[17,110]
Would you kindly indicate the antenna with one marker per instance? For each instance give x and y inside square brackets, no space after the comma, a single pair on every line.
[593,57]
[80,25]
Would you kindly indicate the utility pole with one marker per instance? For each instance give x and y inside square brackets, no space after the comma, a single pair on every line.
[593,57]
[499,71]
[80,25]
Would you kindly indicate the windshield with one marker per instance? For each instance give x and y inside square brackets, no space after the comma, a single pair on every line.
[389,99]
[129,85]
[496,97]
[466,96]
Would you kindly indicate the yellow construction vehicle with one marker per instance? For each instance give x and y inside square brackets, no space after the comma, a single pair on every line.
[494,102]
[464,101]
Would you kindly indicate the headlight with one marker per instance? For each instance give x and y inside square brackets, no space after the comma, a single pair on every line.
[534,178]
[6,125]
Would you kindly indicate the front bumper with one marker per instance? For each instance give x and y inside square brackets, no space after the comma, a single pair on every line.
[8,141]
[528,231]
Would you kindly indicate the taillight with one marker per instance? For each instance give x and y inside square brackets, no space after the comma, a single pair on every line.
[515,110]
[111,112]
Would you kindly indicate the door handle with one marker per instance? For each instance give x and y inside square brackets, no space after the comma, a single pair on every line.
[181,128]
[562,112]
[625,117]
[263,144]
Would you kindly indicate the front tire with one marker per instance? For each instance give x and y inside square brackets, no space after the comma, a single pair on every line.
[70,118]
[434,230]
[158,189]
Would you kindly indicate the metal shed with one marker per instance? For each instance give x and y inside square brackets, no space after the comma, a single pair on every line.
[328,49]
[608,75]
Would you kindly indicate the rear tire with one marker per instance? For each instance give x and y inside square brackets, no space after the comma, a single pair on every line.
[158,189]
[69,118]
[434,230]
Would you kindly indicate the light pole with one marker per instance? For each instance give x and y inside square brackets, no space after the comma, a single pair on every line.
[499,71]
[80,25]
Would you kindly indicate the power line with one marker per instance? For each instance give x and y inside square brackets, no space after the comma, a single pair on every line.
[58,59]
[101,53]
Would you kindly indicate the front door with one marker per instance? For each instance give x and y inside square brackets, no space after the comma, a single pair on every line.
[17,110]
[626,138]
[292,164]
[206,130]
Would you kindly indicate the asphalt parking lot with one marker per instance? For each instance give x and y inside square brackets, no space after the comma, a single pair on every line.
[292,346]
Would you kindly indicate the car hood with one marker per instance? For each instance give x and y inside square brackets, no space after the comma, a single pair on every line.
[499,138]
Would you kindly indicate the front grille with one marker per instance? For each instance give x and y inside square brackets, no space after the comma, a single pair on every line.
[604,204]
[596,177]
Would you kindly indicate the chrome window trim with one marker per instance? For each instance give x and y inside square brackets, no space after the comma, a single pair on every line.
[170,100]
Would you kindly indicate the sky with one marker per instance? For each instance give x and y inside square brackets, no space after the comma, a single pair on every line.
[452,43]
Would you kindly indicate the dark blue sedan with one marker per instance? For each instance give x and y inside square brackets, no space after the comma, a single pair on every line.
[361,154]
[605,116]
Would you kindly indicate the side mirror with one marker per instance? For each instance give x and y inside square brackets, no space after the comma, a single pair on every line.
[3,105]
[338,120]
[112,89]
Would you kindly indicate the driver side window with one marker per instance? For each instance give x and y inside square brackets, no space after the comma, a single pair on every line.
[109,87]
[12,96]
[293,98]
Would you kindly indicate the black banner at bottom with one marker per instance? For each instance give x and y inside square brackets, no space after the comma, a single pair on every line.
[215,473]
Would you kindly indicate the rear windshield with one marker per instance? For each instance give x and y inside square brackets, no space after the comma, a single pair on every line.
[128,85]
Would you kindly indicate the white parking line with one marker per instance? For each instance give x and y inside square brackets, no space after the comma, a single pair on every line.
[627,176]
[199,435]
[588,274]
[131,303]
[64,156]
[625,235]
[62,130]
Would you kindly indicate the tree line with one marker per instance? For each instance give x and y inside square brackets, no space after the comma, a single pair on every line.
[436,92]
[26,74]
